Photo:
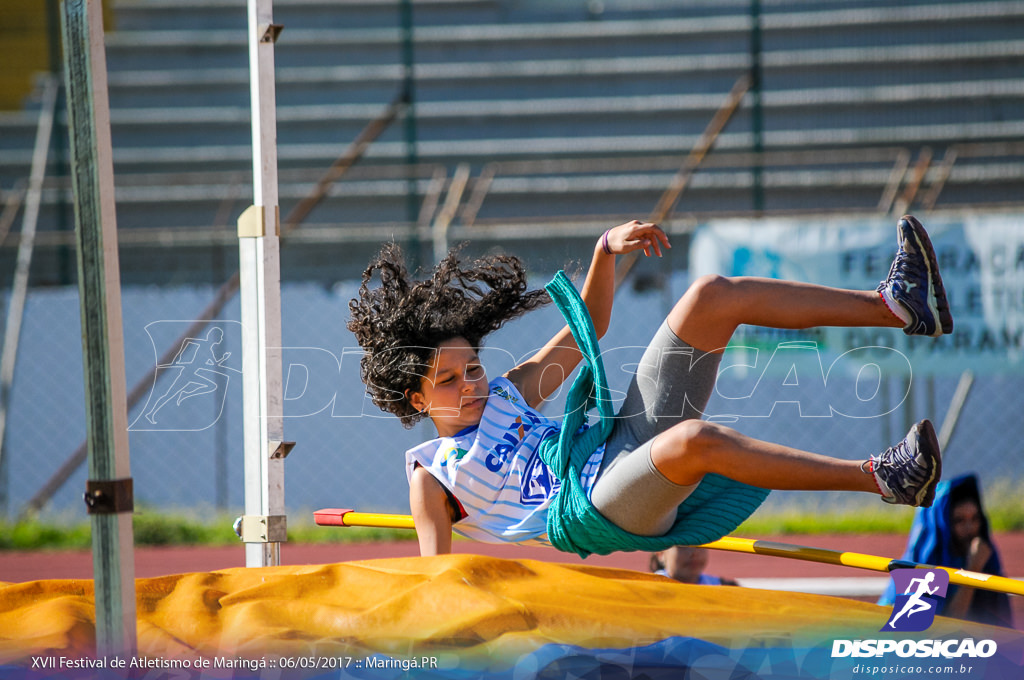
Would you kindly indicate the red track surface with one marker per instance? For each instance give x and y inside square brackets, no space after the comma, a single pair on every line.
[32,566]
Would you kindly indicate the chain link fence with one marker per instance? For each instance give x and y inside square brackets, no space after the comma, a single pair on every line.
[186,430]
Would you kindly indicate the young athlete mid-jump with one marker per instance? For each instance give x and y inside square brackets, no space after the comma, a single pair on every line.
[651,475]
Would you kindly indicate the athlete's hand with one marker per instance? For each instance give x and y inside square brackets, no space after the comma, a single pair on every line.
[635,235]
[978,554]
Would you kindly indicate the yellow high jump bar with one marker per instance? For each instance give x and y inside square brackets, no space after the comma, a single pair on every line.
[1000,584]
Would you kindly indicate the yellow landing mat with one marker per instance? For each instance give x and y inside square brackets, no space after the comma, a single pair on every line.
[463,610]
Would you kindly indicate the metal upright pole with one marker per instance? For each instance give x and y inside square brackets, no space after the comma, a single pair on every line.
[263,527]
[109,489]
[412,208]
[19,287]
[756,110]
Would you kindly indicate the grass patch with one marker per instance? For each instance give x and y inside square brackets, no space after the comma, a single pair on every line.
[151,528]
[154,529]
[885,520]
[39,535]
[1002,505]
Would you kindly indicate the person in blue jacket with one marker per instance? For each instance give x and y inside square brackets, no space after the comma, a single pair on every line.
[954,532]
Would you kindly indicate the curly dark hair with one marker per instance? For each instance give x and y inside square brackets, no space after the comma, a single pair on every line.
[401,322]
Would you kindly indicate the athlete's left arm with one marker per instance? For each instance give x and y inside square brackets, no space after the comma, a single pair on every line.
[541,375]
[431,513]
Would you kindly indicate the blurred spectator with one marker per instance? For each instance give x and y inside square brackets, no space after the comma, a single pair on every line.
[954,532]
[686,564]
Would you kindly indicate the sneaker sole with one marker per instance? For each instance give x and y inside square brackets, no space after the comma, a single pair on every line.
[928,440]
[937,302]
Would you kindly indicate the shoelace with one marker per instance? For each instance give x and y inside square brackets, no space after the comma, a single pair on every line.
[894,457]
[896,468]
[906,264]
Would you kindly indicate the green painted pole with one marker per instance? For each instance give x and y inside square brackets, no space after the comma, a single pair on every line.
[109,488]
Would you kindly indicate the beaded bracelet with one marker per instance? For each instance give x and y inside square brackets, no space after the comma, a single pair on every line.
[604,243]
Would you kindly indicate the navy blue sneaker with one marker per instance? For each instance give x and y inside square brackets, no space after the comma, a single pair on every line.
[914,282]
[907,473]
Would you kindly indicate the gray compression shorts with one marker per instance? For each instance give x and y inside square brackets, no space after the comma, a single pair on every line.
[673,382]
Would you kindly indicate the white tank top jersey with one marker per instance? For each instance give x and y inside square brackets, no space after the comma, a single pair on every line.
[495,472]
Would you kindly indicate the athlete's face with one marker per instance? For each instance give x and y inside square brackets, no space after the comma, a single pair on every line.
[685,563]
[454,390]
[966,516]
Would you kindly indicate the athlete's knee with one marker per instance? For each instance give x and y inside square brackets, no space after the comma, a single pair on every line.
[694,438]
[684,452]
[709,289]
[705,309]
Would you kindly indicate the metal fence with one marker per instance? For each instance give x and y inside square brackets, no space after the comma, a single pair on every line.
[186,429]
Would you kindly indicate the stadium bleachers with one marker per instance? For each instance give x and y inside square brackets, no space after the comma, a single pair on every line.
[561,113]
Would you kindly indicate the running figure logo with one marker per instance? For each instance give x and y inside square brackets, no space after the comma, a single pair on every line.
[198,373]
[915,609]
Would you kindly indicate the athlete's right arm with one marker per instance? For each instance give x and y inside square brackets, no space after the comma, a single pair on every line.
[542,374]
[431,513]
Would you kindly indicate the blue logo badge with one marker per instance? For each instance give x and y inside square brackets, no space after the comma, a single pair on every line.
[538,482]
[914,609]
